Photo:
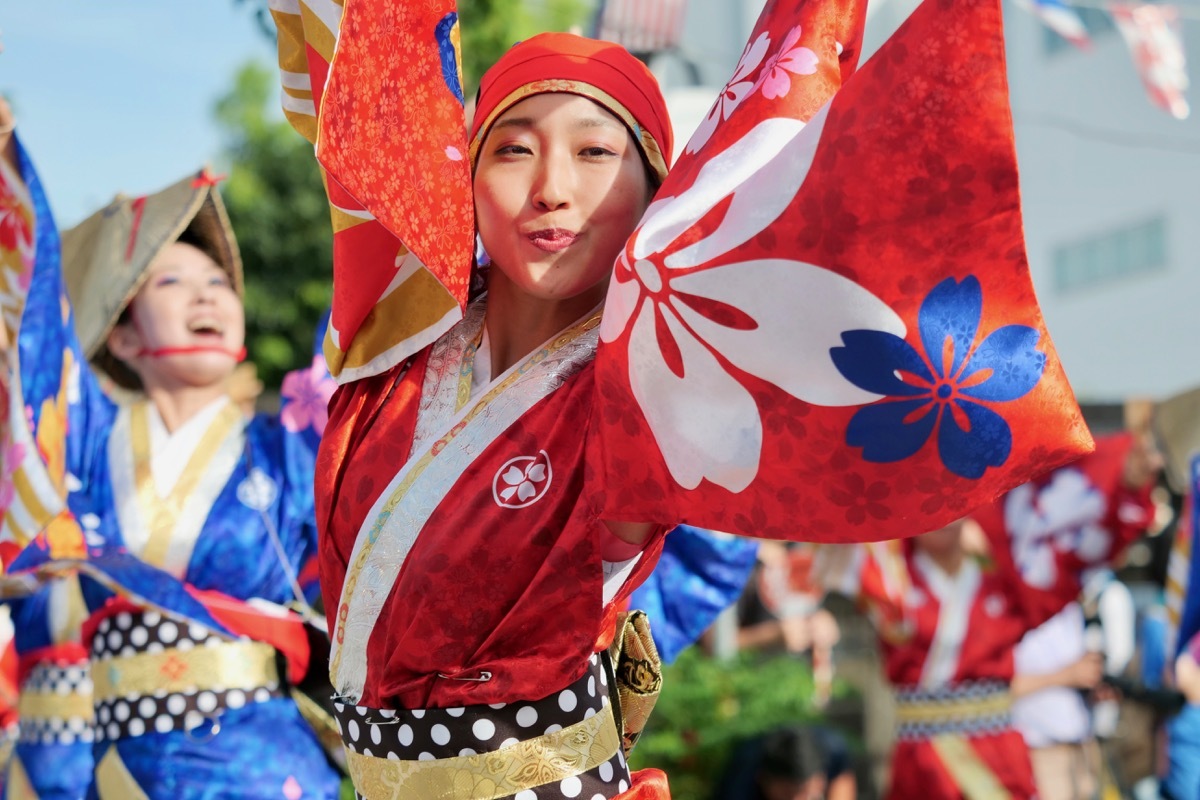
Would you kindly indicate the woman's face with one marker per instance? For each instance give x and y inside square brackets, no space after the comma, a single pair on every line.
[186,324]
[559,187]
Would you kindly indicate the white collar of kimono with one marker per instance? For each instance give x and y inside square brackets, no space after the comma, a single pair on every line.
[170,451]
[956,596]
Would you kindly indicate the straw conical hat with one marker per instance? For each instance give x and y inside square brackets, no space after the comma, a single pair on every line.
[1177,424]
[105,257]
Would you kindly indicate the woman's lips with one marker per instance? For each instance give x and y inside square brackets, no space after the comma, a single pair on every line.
[553,240]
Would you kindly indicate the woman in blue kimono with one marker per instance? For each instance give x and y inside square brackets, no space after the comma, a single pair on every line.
[197,522]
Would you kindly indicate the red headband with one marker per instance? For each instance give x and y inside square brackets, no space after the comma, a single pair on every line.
[601,71]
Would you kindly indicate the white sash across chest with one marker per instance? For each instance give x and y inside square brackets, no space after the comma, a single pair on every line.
[449,436]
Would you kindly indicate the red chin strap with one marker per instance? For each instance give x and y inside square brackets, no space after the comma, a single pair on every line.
[237,355]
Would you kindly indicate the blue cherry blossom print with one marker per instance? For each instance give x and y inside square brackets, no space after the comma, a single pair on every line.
[947,389]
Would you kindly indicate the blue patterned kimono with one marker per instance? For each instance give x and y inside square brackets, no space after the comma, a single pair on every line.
[250,484]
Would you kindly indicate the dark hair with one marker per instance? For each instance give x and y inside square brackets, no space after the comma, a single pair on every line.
[793,753]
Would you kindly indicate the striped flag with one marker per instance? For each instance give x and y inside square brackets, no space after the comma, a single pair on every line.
[1183,572]
[1156,44]
[1176,427]
[1062,19]
[642,26]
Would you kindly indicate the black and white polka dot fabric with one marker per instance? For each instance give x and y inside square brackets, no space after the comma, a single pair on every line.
[128,634]
[425,735]
[58,683]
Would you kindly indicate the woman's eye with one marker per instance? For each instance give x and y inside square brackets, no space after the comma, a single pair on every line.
[166,281]
[513,149]
[219,282]
[596,152]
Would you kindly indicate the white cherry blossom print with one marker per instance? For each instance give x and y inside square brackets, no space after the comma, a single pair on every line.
[683,314]
[776,77]
[1063,516]
[522,481]
[737,90]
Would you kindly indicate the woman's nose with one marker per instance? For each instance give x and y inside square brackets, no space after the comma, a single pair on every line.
[552,188]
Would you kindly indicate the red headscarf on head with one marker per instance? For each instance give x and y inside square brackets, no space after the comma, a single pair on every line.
[603,72]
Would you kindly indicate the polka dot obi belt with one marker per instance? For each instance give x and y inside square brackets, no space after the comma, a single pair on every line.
[55,705]
[969,708]
[564,745]
[154,674]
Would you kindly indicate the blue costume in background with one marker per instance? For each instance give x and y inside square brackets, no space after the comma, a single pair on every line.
[188,705]
[699,575]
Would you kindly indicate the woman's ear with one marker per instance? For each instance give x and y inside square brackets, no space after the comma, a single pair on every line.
[124,342]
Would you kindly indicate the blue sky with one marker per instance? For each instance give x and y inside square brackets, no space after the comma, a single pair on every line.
[118,94]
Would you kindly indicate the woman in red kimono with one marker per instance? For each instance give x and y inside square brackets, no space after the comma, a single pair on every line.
[488,492]
[948,621]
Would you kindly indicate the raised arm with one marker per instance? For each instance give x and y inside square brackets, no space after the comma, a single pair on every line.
[824,328]
[55,407]
[403,236]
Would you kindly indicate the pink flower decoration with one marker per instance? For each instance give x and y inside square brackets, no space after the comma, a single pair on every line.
[306,395]
[13,456]
[291,788]
[774,78]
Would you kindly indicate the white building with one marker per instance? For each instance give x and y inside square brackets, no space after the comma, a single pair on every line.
[1110,183]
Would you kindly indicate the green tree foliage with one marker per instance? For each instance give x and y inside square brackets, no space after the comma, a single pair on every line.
[489,27]
[280,214]
[707,706]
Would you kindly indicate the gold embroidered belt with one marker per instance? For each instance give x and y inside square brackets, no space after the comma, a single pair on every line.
[565,745]
[179,677]
[55,704]
[967,709]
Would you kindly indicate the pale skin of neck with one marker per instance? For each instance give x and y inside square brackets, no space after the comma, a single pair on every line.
[517,323]
[177,404]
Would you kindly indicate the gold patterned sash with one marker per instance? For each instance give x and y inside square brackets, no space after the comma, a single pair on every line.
[162,514]
[525,765]
[243,665]
[972,776]
[949,712]
[48,705]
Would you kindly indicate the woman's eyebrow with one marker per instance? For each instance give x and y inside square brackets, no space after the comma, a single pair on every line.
[514,122]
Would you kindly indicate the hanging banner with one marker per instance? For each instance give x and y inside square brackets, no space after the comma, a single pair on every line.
[1062,19]
[642,26]
[1153,35]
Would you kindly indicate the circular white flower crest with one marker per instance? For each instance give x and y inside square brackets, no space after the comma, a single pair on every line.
[522,481]
[258,491]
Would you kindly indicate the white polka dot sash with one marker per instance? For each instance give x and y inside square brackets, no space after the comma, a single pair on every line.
[153,674]
[55,705]
[396,743]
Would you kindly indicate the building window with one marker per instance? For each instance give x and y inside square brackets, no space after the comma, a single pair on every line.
[1097,21]
[1112,256]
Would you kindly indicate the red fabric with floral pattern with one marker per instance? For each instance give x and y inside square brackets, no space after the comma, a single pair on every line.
[823,331]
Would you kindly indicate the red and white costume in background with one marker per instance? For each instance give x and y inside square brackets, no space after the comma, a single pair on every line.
[948,640]
[461,513]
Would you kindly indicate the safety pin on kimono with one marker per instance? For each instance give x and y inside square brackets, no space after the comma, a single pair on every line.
[483,677]
[392,720]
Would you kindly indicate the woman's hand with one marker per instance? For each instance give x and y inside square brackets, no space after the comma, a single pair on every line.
[8,123]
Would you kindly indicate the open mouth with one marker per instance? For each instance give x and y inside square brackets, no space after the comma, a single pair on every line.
[206,328]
